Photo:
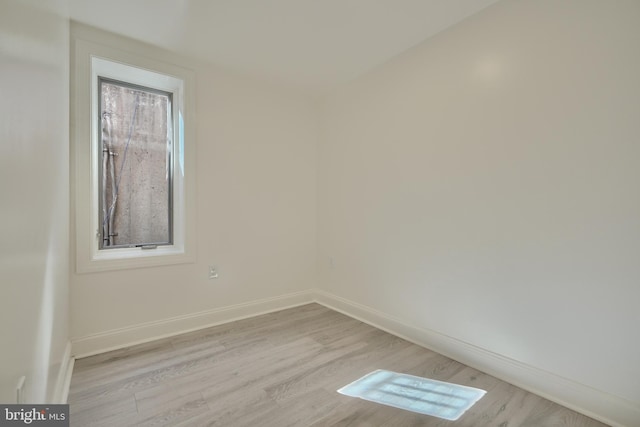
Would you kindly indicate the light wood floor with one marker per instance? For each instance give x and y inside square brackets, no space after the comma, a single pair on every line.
[283,369]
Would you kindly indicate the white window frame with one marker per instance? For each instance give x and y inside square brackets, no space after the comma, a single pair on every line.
[90,61]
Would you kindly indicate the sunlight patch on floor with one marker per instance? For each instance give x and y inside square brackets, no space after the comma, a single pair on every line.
[416,394]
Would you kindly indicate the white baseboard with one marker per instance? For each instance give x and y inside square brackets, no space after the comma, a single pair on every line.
[145,332]
[597,404]
[63,381]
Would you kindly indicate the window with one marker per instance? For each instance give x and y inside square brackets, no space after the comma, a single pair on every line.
[136,165]
[134,159]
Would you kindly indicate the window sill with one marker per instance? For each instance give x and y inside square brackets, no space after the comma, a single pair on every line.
[127,258]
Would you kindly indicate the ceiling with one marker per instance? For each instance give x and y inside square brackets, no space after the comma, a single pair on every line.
[312,45]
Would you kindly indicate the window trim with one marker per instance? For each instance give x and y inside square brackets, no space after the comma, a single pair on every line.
[90,59]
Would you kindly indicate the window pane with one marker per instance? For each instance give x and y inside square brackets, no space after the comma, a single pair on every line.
[135,179]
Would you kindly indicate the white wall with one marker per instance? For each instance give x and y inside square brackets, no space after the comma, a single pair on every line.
[485,185]
[34,147]
[256,215]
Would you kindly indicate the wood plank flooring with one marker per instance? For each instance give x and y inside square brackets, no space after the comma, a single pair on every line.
[283,369]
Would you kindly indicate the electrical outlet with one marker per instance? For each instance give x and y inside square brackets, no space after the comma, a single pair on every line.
[213,272]
[20,390]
